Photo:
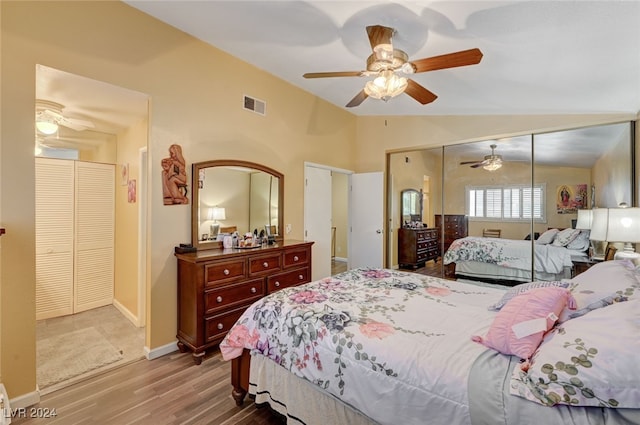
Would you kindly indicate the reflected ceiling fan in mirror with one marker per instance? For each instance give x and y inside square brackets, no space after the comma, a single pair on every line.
[390,65]
[490,162]
[49,116]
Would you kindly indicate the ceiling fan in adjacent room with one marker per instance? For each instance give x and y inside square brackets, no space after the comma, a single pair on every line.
[49,116]
[490,162]
[388,65]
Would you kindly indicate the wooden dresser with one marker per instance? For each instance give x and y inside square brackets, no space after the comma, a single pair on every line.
[455,227]
[416,246]
[216,286]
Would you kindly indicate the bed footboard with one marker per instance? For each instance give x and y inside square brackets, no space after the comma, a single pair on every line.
[240,377]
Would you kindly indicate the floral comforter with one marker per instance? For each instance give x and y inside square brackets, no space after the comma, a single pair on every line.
[515,254]
[390,343]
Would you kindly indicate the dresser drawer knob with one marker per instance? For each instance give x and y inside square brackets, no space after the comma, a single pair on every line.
[219,299]
[277,284]
[253,290]
[226,272]
[300,277]
[295,258]
[220,326]
[265,264]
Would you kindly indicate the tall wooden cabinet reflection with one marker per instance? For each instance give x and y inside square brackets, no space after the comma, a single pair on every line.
[455,227]
[417,246]
[216,286]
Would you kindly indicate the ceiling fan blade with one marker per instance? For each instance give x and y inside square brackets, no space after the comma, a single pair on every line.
[480,164]
[470,162]
[379,35]
[358,99]
[450,60]
[333,74]
[419,93]
[76,124]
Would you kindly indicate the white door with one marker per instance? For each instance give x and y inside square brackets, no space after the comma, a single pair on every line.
[317,219]
[366,206]
[94,235]
[54,237]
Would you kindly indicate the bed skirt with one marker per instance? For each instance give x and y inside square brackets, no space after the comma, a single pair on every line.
[299,401]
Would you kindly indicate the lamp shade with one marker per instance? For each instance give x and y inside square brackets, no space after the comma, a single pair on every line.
[599,223]
[216,213]
[584,219]
[624,225]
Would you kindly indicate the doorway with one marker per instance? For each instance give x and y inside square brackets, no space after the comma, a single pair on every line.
[108,125]
[326,217]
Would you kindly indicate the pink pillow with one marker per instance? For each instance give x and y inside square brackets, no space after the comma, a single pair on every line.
[520,326]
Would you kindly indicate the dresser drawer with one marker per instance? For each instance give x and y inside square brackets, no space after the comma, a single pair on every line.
[215,327]
[223,272]
[235,294]
[296,258]
[264,264]
[286,279]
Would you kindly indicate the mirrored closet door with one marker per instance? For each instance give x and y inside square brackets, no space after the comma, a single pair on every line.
[499,205]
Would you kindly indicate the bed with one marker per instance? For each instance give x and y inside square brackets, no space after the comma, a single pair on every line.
[384,346]
[508,260]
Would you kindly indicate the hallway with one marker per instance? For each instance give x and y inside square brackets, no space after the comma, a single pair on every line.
[105,326]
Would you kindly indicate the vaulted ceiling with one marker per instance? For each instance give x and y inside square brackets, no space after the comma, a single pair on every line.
[539,57]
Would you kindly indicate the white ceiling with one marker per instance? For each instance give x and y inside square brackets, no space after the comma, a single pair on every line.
[539,56]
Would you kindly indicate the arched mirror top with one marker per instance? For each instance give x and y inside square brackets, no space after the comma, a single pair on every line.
[411,206]
[234,196]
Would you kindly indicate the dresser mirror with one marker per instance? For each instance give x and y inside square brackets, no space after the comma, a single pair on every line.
[411,206]
[234,196]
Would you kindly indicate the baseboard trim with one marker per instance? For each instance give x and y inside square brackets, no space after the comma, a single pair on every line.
[163,350]
[126,313]
[25,400]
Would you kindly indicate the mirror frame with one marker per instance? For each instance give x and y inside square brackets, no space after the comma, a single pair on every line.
[402,200]
[195,198]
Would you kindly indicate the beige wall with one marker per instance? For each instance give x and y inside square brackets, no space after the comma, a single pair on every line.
[196,93]
[129,143]
[339,212]
[196,96]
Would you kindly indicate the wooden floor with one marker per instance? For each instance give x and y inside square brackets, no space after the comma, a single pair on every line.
[165,391]
[168,390]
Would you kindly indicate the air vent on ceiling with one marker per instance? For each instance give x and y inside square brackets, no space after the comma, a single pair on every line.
[255,105]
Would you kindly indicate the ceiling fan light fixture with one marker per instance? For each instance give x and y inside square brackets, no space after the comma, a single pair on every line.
[493,165]
[46,126]
[385,86]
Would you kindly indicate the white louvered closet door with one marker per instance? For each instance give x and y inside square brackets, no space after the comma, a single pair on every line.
[54,237]
[94,235]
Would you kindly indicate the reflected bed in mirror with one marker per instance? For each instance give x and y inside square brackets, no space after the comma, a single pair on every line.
[232,196]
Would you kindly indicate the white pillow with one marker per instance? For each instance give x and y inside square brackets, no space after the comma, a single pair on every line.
[565,236]
[547,237]
[588,361]
[581,242]
[602,284]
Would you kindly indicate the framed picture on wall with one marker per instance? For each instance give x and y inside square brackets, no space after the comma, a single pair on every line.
[124,174]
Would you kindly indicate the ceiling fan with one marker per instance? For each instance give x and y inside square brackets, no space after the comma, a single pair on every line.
[388,64]
[49,116]
[490,162]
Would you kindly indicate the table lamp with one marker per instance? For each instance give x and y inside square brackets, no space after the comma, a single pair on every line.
[624,226]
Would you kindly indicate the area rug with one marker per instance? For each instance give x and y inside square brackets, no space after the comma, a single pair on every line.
[66,356]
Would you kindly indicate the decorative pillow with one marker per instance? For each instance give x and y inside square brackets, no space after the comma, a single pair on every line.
[601,285]
[547,237]
[589,361]
[581,242]
[520,325]
[564,237]
[525,287]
